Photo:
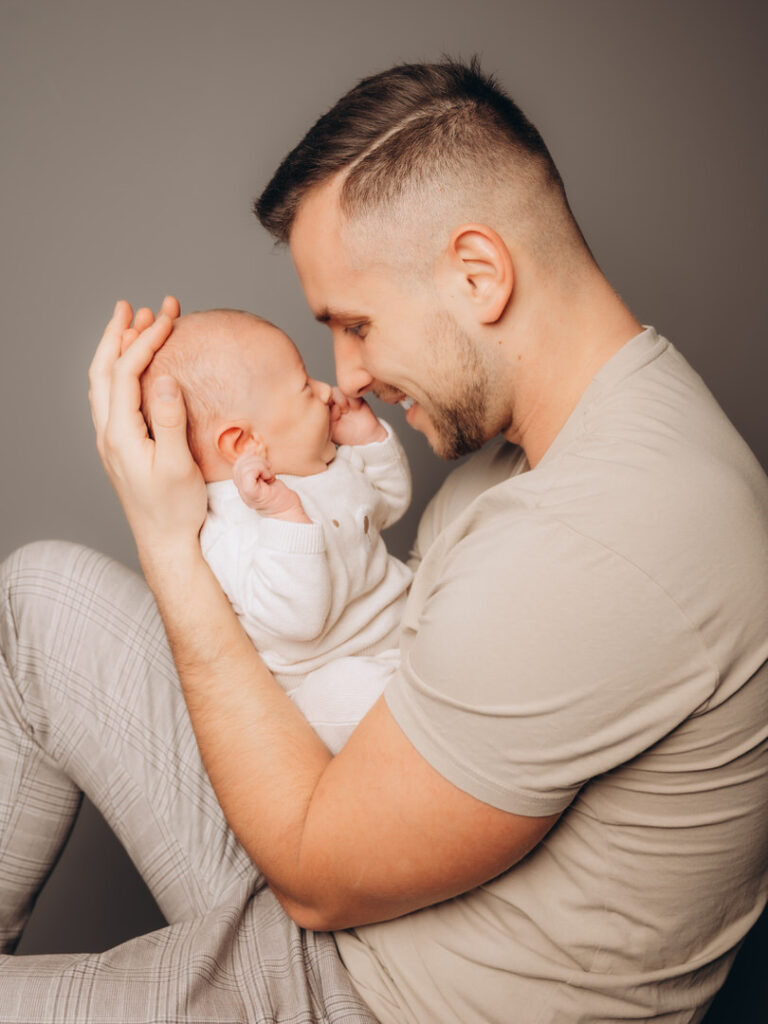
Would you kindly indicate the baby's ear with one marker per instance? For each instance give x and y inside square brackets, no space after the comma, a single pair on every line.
[238,439]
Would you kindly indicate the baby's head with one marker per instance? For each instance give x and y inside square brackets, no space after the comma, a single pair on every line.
[245,388]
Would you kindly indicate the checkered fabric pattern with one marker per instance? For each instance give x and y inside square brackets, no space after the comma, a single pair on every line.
[90,703]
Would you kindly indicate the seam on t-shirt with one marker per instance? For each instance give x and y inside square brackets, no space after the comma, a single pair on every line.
[526,802]
[602,385]
[529,802]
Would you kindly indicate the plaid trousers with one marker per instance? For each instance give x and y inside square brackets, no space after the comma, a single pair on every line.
[90,703]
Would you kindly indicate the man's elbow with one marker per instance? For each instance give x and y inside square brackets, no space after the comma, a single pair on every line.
[311,916]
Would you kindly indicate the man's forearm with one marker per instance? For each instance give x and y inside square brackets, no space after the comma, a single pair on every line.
[262,757]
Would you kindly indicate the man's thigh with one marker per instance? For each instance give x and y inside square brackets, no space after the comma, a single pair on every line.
[91,701]
[244,961]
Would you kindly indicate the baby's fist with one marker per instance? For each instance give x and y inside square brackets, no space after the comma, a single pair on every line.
[264,493]
[353,422]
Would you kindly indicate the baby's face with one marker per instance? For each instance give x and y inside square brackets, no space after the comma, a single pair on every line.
[291,412]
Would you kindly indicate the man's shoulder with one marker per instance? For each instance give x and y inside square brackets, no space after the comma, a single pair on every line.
[495,462]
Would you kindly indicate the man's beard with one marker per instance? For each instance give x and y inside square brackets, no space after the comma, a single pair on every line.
[460,421]
[459,425]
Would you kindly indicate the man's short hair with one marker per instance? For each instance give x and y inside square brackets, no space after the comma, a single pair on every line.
[407,128]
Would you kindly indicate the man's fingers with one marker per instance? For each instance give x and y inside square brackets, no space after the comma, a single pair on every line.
[143,318]
[129,336]
[106,355]
[125,394]
[169,426]
[171,307]
[139,355]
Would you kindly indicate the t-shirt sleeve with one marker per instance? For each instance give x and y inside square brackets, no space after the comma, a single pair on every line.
[539,660]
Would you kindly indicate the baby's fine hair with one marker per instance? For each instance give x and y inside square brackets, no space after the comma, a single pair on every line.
[194,355]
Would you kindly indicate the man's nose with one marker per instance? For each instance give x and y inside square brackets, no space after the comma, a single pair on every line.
[353,379]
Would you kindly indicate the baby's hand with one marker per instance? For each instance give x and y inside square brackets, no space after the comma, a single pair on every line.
[263,492]
[353,421]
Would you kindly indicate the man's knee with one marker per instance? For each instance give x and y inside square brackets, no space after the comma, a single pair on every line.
[34,568]
[39,556]
[40,574]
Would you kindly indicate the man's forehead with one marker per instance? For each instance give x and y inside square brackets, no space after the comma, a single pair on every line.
[344,266]
[318,216]
[332,282]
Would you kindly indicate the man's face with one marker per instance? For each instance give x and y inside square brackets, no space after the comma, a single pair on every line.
[390,337]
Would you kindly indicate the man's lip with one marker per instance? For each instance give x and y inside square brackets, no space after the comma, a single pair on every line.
[390,396]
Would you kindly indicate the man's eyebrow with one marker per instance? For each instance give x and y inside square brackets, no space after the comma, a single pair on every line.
[326,315]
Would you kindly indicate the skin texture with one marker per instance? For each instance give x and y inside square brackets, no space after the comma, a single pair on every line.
[374,832]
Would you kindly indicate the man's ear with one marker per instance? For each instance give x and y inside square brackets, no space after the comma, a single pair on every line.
[236,439]
[478,260]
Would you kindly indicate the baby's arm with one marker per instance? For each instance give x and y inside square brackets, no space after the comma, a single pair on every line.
[274,568]
[378,454]
[285,582]
[353,422]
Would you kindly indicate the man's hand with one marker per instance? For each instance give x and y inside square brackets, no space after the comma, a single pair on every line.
[263,492]
[353,421]
[156,479]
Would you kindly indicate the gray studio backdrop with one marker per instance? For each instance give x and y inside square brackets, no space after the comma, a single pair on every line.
[135,135]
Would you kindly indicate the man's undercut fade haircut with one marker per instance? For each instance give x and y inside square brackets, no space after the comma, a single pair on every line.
[399,132]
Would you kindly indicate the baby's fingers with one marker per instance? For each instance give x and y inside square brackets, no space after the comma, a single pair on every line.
[248,473]
[340,400]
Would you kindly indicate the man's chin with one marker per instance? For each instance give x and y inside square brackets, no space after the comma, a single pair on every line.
[444,447]
[450,442]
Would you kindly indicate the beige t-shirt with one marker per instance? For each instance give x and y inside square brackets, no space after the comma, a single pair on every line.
[592,634]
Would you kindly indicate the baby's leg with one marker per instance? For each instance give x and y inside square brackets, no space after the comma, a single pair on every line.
[335,697]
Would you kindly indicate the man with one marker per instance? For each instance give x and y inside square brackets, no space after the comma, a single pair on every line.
[557,811]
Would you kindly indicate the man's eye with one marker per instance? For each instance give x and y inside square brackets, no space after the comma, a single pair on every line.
[356,330]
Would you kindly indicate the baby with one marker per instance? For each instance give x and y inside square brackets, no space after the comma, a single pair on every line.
[301,480]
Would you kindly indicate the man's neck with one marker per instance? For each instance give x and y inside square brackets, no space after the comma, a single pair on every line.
[562,345]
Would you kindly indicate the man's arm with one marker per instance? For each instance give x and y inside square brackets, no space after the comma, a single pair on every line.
[366,836]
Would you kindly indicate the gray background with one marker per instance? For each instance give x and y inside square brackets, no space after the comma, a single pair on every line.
[135,135]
